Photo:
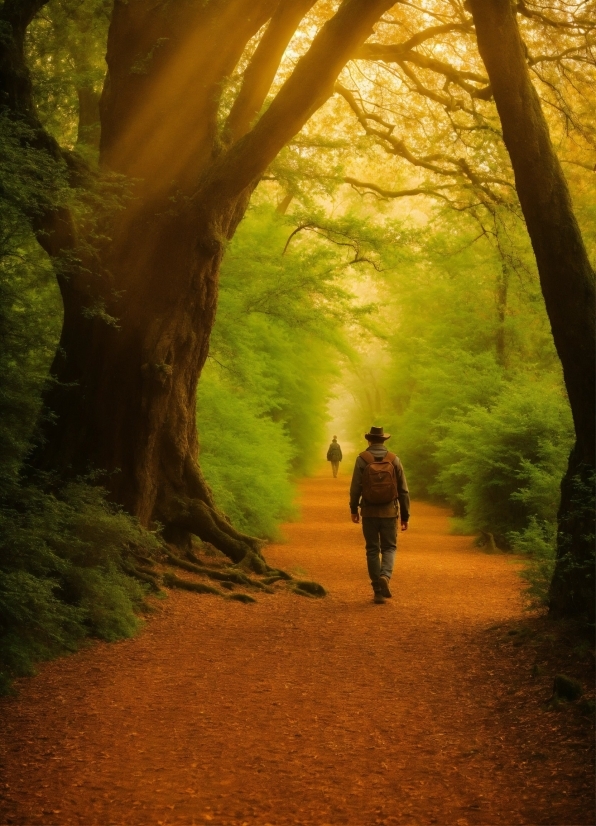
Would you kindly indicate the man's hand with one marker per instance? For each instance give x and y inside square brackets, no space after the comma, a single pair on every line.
[404,526]
[355,518]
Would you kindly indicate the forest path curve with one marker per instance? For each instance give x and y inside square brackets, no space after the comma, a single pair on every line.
[305,711]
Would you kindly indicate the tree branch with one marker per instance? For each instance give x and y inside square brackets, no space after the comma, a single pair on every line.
[532,14]
[399,193]
[450,103]
[554,58]
[262,68]
[439,66]
[391,144]
[458,167]
[171,83]
[305,91]
[425,34]
[333,236]
[396,53]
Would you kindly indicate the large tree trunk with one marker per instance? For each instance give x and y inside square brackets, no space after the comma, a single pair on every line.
[138,316]
[124,399]
[567,282]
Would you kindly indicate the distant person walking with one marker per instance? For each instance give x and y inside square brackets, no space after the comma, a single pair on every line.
[334,455]
[380,489]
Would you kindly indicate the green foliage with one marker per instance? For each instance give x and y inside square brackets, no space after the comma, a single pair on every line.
[30,307]
[502,465]
[449,381]
[61,552]
[66,47]
[538,543]
[274,355]
[61,576]
[245,457]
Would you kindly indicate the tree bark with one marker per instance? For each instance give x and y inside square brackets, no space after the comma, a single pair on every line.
[261,71]
[124,397]
[567,282]
[501,292]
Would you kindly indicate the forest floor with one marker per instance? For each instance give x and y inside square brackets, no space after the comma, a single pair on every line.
[430,709]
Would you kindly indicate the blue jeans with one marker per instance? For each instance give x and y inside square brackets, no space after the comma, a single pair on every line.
[380,535]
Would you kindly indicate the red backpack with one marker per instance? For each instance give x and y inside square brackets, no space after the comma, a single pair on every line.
[379,483]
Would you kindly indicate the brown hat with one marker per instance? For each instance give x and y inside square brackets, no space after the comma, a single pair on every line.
[377,433]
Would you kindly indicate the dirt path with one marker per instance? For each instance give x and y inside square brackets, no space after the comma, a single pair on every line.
[304,711]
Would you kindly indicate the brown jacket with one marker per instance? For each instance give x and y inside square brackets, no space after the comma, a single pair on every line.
[391,508]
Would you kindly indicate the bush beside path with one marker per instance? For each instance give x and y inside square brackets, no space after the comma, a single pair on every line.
[310,711]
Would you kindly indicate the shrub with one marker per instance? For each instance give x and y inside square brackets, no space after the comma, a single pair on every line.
[538,544]
[502,464]
[245,457]
[61,576]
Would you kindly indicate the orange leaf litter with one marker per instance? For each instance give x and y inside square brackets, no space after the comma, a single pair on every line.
[306,711]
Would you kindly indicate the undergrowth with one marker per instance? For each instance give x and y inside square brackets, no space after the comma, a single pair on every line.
[61,573]
[62,549]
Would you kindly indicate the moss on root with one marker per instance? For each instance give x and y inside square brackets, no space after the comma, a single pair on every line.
[306,588]
[241,598]
[172,581]
[228,576]
[143,575]
[567,688]
[276,573]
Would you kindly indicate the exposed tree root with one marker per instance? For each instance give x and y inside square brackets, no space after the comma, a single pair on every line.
[254,562]
[302,588]
[208,549]
[172,581]
[187,517]
[143,562]
[227,576]
[195,514]
[231,576]
[236,577]
[487,540]
[143,569]
[306,588]
[275,574]
[241,598]
[189,509]
[147,577]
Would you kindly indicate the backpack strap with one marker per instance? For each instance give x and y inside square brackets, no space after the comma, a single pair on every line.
[369,458]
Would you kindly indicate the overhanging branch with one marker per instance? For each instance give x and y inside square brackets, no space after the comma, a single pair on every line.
[399,193]
[263,66]
[305,91]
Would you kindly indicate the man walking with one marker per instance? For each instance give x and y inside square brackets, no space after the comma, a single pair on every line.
[379,487]
[334,455]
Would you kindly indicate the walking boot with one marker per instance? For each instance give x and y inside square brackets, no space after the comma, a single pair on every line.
[379,599]
[384,587]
